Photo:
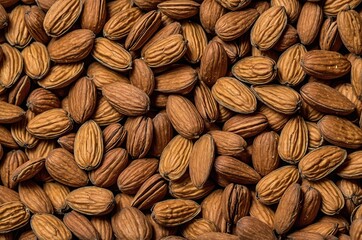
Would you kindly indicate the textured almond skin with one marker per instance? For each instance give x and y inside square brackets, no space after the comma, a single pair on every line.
[246,125]
[165,51]
[71,47]
[340,132]
[131,223]
[282,177]
[20,91]
[288,209]
[332,8]
[4,19]
[175,212]
[6,139]
[34,22]
[142,30]
[350,29]
[288,39]
[235,203]
[351,168]
[142,76]
[289,70]
[94,15]
[234,171]
[201,160]
[329,36]
[261,211]
[113,163]
[179,9]
[135,174]
[314,63]
[229,144]
[88,146]
[11,67]
[292,8]
[102,75]
[17,33]
[255,70]
[175,158]
[184,189]
[162,133]
[332,101]
[61,16]
[111,54]
[266,33]
[198,227]
[180,79]
[251,228]
[91,200]
[212,209]
[44,226]
[41,100]
[152,190]
[105,114]
[310,206]
[69,173]
[28,170]
[12,160]
[196,41]
[320,162]
[210,12]
[82,100]
[205,103]
[213,64]
[119,25]
[265,156]
[293,141]
[126,98]
[36,60]
[315,138]
[332,198]
[282,99]
[14,216]
[234,24]
[356,74]
[80,226]
[10,113]
[309,22]
[103,227]
[113,136]
[356,229]
[50,124]
[34,197]
[57,192]
[184,117]
[234,95]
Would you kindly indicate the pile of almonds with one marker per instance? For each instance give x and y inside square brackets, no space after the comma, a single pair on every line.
[181,119]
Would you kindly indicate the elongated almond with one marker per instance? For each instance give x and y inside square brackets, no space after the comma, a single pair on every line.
[44,226]
[350,29]
[11,67]
[14,216]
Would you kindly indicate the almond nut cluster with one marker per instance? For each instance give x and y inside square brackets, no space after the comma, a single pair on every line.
[181,119]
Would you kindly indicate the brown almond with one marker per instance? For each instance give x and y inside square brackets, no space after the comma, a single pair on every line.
[309,22]
[251,228]
[11,65]
[94,15]
[349,24]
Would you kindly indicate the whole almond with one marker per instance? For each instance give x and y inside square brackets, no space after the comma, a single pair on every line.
[142,76]
[61,16]
[320,162]
[10,113]
[14,215]
[309,22]
[11,67]
[288,209]
[56,192]
[94,15]
[289,70]
[175,158]
[246,125]
[350,27]
[232,25]
[184,117]
[201,160]
[104,114]
[329,38]
[61,75]
[205,103]
[50,124]
[44,226]
[266,33]
[283,177]
[210,12]
[292,8]
[282,99]
[17,33]
[351,167]
[41,100]
[103,227]
[91,200]
[332,8]
[314,64]
[61,165]
[34,18]
[71,47]
[196,41]
[198,227]
[174,212]
[126,98]
[102,75]
[340,132]
[310,206]
[162,133]
[28,170]
[111,54]
[179,9]
[243,100]
[80,226]
[261,211]
[34,197]
[36,60]
[227,143]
